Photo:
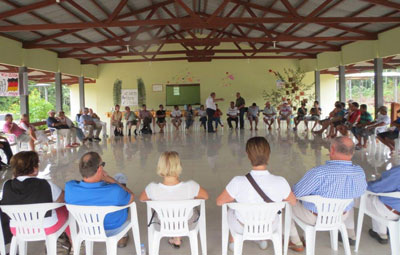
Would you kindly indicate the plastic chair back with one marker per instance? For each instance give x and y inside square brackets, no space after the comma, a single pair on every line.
[90,220]
[28,219]
[174,217]
[259,219]
[330,211]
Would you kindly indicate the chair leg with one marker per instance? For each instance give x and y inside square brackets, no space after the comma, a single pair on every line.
[13,246]
[345,239]
[89,248]
[22,248]
[238,245]
[111,247]
[51,244]
[136,237]
[394,238]
[194,244]
[277,240]
[334,239]
[359,225]
[156,244]
[77,246]
[310,241]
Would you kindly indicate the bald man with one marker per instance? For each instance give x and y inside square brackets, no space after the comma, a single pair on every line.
[338,178]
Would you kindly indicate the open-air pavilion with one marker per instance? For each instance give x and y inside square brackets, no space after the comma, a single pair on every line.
[221,46]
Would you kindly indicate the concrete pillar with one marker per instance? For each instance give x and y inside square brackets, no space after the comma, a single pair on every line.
[378,83]
[342,84]
[59,96]
[23,90]
[317,85]
[81,92]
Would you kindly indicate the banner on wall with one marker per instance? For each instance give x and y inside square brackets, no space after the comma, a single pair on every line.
[9,84]
[129,97]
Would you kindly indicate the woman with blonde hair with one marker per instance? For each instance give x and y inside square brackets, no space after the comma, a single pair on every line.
[172,188]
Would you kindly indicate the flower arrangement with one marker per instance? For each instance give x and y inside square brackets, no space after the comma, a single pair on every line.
[293,88]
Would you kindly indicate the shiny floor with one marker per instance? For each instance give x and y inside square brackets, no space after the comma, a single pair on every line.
[211,160]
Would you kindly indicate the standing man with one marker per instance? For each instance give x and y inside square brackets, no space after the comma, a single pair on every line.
[211,108]
[240,103]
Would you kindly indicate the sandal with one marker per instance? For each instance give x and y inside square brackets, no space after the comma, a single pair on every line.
[171,242]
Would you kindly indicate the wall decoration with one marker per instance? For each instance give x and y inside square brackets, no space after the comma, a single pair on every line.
[9,84]
[184,76]
[129,97]
[141,91]
[291,87]
[117,91]
[157,87]
[227,80]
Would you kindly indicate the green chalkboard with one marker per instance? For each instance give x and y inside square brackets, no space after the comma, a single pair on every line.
[181,94]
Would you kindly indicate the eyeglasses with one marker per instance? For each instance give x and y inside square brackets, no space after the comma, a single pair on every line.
[102,164]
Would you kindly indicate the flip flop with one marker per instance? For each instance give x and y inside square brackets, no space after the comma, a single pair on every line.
[176,246]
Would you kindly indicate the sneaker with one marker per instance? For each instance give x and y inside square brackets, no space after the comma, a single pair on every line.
[97,139]
[123,242]
[90,139]
[263,244]
[298,247]
[382,239]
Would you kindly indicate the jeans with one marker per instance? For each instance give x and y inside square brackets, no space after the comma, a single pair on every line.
[241,117]
[203,121]
[230,122]
[189,122]
[210,115]
[217,121]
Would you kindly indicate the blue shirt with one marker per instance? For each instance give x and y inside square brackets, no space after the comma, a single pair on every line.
[336,179]
[85,117]
[389,182]
[99,194]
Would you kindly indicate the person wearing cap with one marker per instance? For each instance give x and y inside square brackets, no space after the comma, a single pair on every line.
[63,129]
[86,122]
[97,188]
[285,111]
[269,115]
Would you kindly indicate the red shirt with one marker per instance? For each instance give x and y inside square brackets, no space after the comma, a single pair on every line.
[354,117]
[217,113]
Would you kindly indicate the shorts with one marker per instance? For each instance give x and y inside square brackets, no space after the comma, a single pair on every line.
[313,118]
[160,121]
[363,132]
[269,117]
[132,122]
[23,138]
[252,117]
[389,134]
[301,117]
[338,123]
[281,117]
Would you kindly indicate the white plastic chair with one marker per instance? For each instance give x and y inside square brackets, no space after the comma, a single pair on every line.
[393,226]
[28,222]
[329,218]
[174,217]
[90,220]
[259,222]
[2,242]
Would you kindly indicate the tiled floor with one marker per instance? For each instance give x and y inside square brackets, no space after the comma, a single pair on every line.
[211,160]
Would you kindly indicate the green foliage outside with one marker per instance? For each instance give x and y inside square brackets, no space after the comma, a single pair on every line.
[38,105]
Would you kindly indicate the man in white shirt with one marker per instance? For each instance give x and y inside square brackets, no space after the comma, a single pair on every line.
[269,115]
[381,122]
[211,108]
[285,112]
[176,116]
[252,115]
[232,115]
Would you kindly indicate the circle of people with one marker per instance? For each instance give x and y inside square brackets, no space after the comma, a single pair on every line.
[338,178]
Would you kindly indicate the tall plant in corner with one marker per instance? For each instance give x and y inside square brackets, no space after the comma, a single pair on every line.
[117,91]
[141,92]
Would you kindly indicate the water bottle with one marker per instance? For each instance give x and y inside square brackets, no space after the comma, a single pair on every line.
[142,249]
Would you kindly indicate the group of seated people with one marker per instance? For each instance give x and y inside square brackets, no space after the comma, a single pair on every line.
[357,120]
[339,178]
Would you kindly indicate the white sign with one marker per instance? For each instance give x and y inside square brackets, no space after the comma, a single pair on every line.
[9,84]
[176,91]
[129,97]
[157,87]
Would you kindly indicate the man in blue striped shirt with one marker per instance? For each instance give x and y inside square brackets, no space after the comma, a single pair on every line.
[338,178]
